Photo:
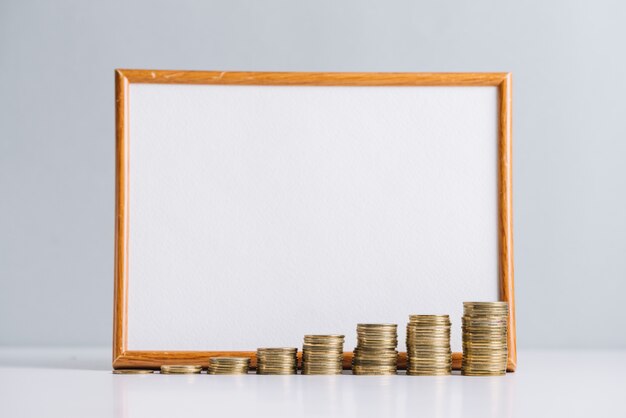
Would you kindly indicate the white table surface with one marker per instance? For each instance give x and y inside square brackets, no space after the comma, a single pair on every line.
[78,383]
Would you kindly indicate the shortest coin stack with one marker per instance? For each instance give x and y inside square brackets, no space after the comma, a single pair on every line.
[277,360]
[229,365]
[376,352]
[180,369]
[428,345]
[484,338]
[322,354]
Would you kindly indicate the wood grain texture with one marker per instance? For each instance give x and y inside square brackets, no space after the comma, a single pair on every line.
[313,79]
[505,224]
[121,217]
[122,358]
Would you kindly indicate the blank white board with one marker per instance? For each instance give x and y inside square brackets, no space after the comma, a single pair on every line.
[258,214]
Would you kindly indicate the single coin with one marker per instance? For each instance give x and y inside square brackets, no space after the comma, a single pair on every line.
[277,349]
[132,371]
[486,305]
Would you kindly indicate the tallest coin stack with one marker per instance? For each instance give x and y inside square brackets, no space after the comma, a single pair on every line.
[485,338]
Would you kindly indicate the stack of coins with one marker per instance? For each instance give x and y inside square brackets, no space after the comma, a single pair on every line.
[322,354]
[229,365]
[484,338]
[376,352]
[428,345]
[277,360]
[180,369]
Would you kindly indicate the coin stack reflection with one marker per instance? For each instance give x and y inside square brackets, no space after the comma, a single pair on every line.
[322,354]
[484,338]
[428,345]
[376,352]
[277,360]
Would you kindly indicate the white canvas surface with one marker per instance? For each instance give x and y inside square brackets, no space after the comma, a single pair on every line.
[259,214]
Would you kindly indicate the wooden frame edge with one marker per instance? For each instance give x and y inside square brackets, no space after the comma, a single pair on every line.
[121,217]
[505,190]
[123,358]
[312,78]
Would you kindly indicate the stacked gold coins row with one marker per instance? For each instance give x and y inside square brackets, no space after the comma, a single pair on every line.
[277,360]
[228,365]
[485,338]
[376,352]
[322,354]
[428,345]
[485,350]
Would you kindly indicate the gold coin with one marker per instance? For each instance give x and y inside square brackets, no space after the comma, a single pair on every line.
[484,334]
[277,350]
[228,365]
[428,345]
[322,354]
[279,360]
[132,371]
[324,339]
[180,369]
[375,352]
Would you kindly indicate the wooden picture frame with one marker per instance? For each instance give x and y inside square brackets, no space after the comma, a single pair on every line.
[125,358]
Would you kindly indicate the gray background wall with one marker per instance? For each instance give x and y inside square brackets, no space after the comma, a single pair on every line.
[57,136]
